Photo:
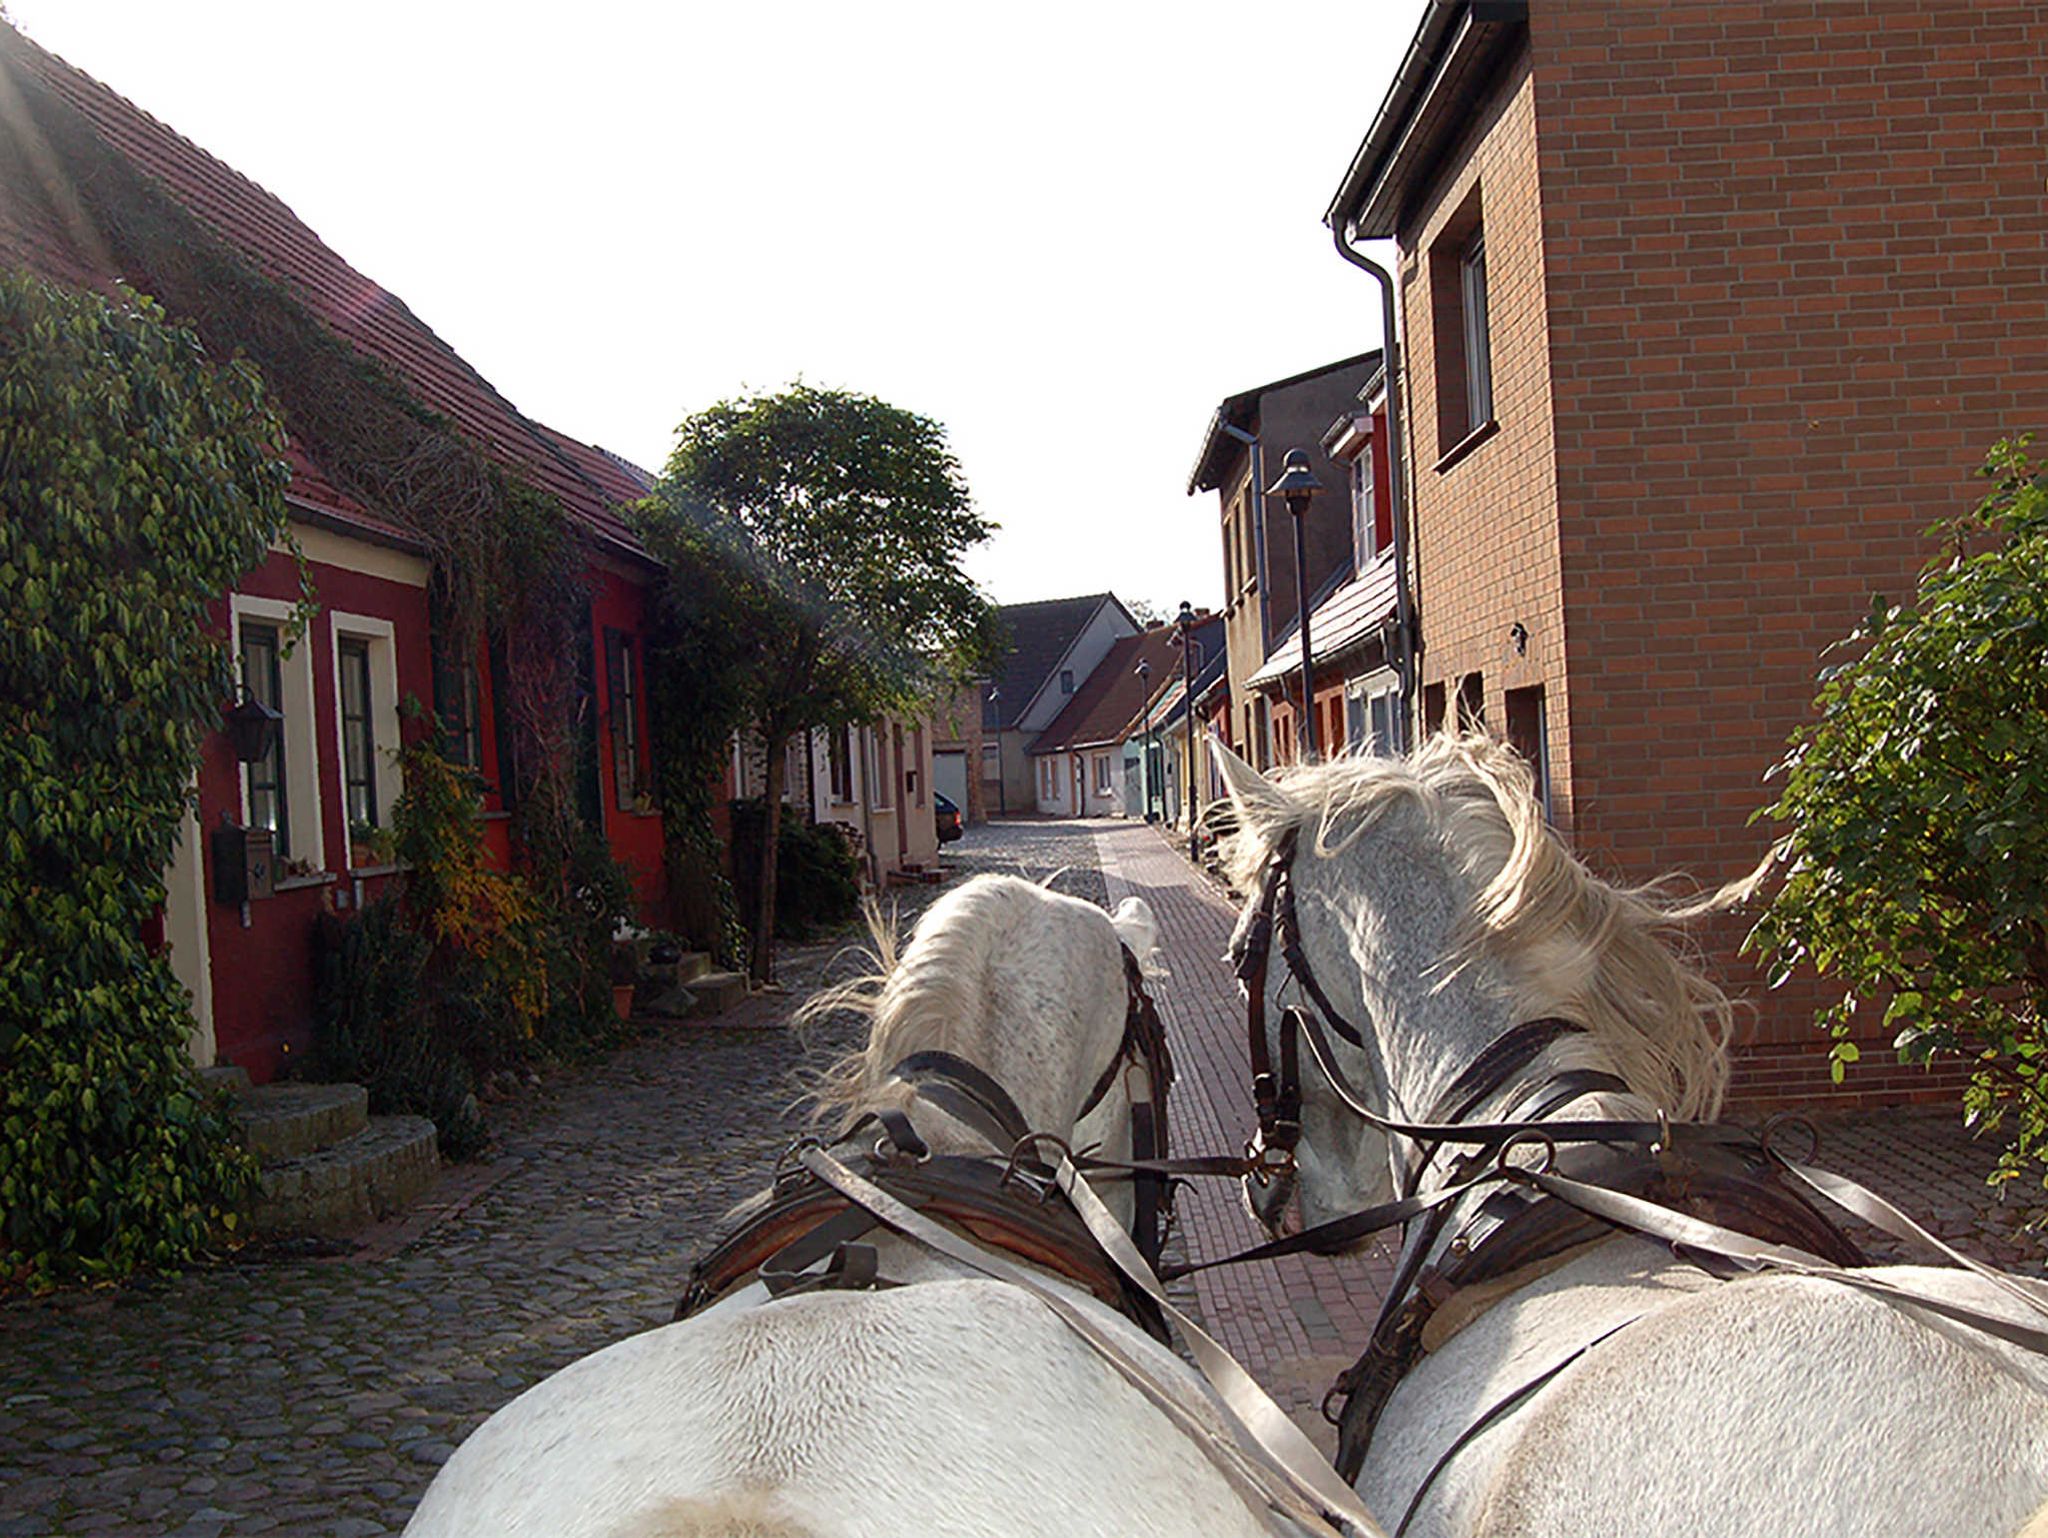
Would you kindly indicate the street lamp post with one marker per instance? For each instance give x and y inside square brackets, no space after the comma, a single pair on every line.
[995,695]
[1145,745]
[1192,794]
[1296,488]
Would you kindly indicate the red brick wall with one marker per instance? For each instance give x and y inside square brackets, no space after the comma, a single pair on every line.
[1486,525]
[1797,272]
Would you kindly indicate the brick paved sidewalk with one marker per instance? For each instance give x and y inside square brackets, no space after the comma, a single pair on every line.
[1296,1322]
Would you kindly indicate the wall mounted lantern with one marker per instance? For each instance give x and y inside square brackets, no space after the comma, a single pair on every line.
[252,728]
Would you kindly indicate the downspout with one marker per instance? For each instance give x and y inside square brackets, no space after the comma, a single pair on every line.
[1255,509]
[1408,640]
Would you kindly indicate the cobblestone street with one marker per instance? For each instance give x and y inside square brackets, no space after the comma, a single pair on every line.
[317,1396]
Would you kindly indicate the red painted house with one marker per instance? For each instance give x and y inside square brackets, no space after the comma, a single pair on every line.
[329,785]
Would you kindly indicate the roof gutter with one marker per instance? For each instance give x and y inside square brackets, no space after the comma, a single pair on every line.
[1407,636]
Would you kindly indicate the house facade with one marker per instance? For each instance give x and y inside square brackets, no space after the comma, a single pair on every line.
[1054,645]
[324,793]
[1246,441]
[1089,760]
[1706,314]
[957,753]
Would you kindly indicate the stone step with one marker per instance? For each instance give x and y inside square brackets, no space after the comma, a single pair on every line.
[290,1121]
[716,992]
[694,964]
[225,1076]
[369,1176]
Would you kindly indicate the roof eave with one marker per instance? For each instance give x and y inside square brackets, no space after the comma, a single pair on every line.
[1367,201]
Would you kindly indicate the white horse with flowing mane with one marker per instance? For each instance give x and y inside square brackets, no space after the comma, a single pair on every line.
[1437,911]
[953,1404]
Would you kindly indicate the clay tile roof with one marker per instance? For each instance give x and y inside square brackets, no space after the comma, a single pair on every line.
[273,239]
[1112,703]
[1039,635]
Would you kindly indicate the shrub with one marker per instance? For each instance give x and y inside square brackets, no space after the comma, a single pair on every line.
[817,874]
[139,481]
[1914,868]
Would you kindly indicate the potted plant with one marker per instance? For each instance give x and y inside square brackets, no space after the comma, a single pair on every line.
[368,846]
[624,970]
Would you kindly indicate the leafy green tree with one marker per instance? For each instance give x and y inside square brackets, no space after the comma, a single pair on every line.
[138,481]
[1915,869]
[816,538]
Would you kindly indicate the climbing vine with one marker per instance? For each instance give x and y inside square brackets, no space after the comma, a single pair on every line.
[139,481]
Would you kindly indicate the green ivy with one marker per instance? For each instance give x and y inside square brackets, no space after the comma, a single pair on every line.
[140,481]
[1914,862]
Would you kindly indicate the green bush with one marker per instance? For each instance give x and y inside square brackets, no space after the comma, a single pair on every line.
[817,874]
[1913,865]
[139,481]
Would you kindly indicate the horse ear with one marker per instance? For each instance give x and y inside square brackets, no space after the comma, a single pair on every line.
[1260,805]
[1136,927]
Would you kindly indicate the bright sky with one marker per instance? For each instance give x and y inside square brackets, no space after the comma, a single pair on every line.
[1066,231]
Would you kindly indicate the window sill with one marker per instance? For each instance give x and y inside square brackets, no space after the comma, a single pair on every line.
[1467,444]
[299,883]
[366,872]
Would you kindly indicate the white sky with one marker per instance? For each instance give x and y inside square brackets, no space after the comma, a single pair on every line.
[1066,231]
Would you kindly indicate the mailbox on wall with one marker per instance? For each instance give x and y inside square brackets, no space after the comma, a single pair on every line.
[243,863]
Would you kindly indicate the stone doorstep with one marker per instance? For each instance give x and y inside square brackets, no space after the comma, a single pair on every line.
[716,992]
[368,1176]
[290,1121]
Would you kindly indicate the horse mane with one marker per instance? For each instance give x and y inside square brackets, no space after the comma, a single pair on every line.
[918,998]
[1616,960]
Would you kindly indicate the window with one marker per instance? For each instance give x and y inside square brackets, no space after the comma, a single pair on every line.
[1478,355]
[1230,558]
[839,763]
[358,734]
[622,680]
[916,780]
[1372,712]
[1472,703]
[460,713]
[1529,735]
[264,679]
[1103,780]
[875,761]
[1461,326]
[1433,707]
[1066,680]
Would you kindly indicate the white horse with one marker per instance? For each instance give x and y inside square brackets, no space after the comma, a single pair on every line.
[1437,911]
[958,1405]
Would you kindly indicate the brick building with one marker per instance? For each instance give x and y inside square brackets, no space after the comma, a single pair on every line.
[1243,448]
[1707,312]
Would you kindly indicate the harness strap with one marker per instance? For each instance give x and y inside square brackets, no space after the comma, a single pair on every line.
[1500,1409]
[1300,1484]
[967,1093]
[1677,1228]
[1338,1234]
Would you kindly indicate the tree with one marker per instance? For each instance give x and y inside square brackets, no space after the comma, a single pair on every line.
[139,480]
[814,539]
[1915,868]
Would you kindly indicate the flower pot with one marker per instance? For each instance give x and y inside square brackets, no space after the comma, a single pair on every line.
[622,1000]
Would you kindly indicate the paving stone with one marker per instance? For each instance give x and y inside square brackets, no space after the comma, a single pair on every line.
[316,1395]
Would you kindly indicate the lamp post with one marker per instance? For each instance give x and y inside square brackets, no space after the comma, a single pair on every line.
[1192,795]
[1144,672]
[1296,488]
[995,696]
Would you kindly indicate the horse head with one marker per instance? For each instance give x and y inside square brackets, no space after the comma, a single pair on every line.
[1026,984]
[1436,908]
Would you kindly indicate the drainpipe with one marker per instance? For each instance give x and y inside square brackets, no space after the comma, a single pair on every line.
[1408,641]
[1255,509]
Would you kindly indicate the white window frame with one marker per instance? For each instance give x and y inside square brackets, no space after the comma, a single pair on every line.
[301,737]
[381,638]
[1477,333]
[1374,700]
[1105,780]
[875,761]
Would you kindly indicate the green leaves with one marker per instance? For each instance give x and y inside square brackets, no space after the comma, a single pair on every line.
[1915,862]
[140,483]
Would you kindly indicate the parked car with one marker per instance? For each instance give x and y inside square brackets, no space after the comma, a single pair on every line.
[948,816]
